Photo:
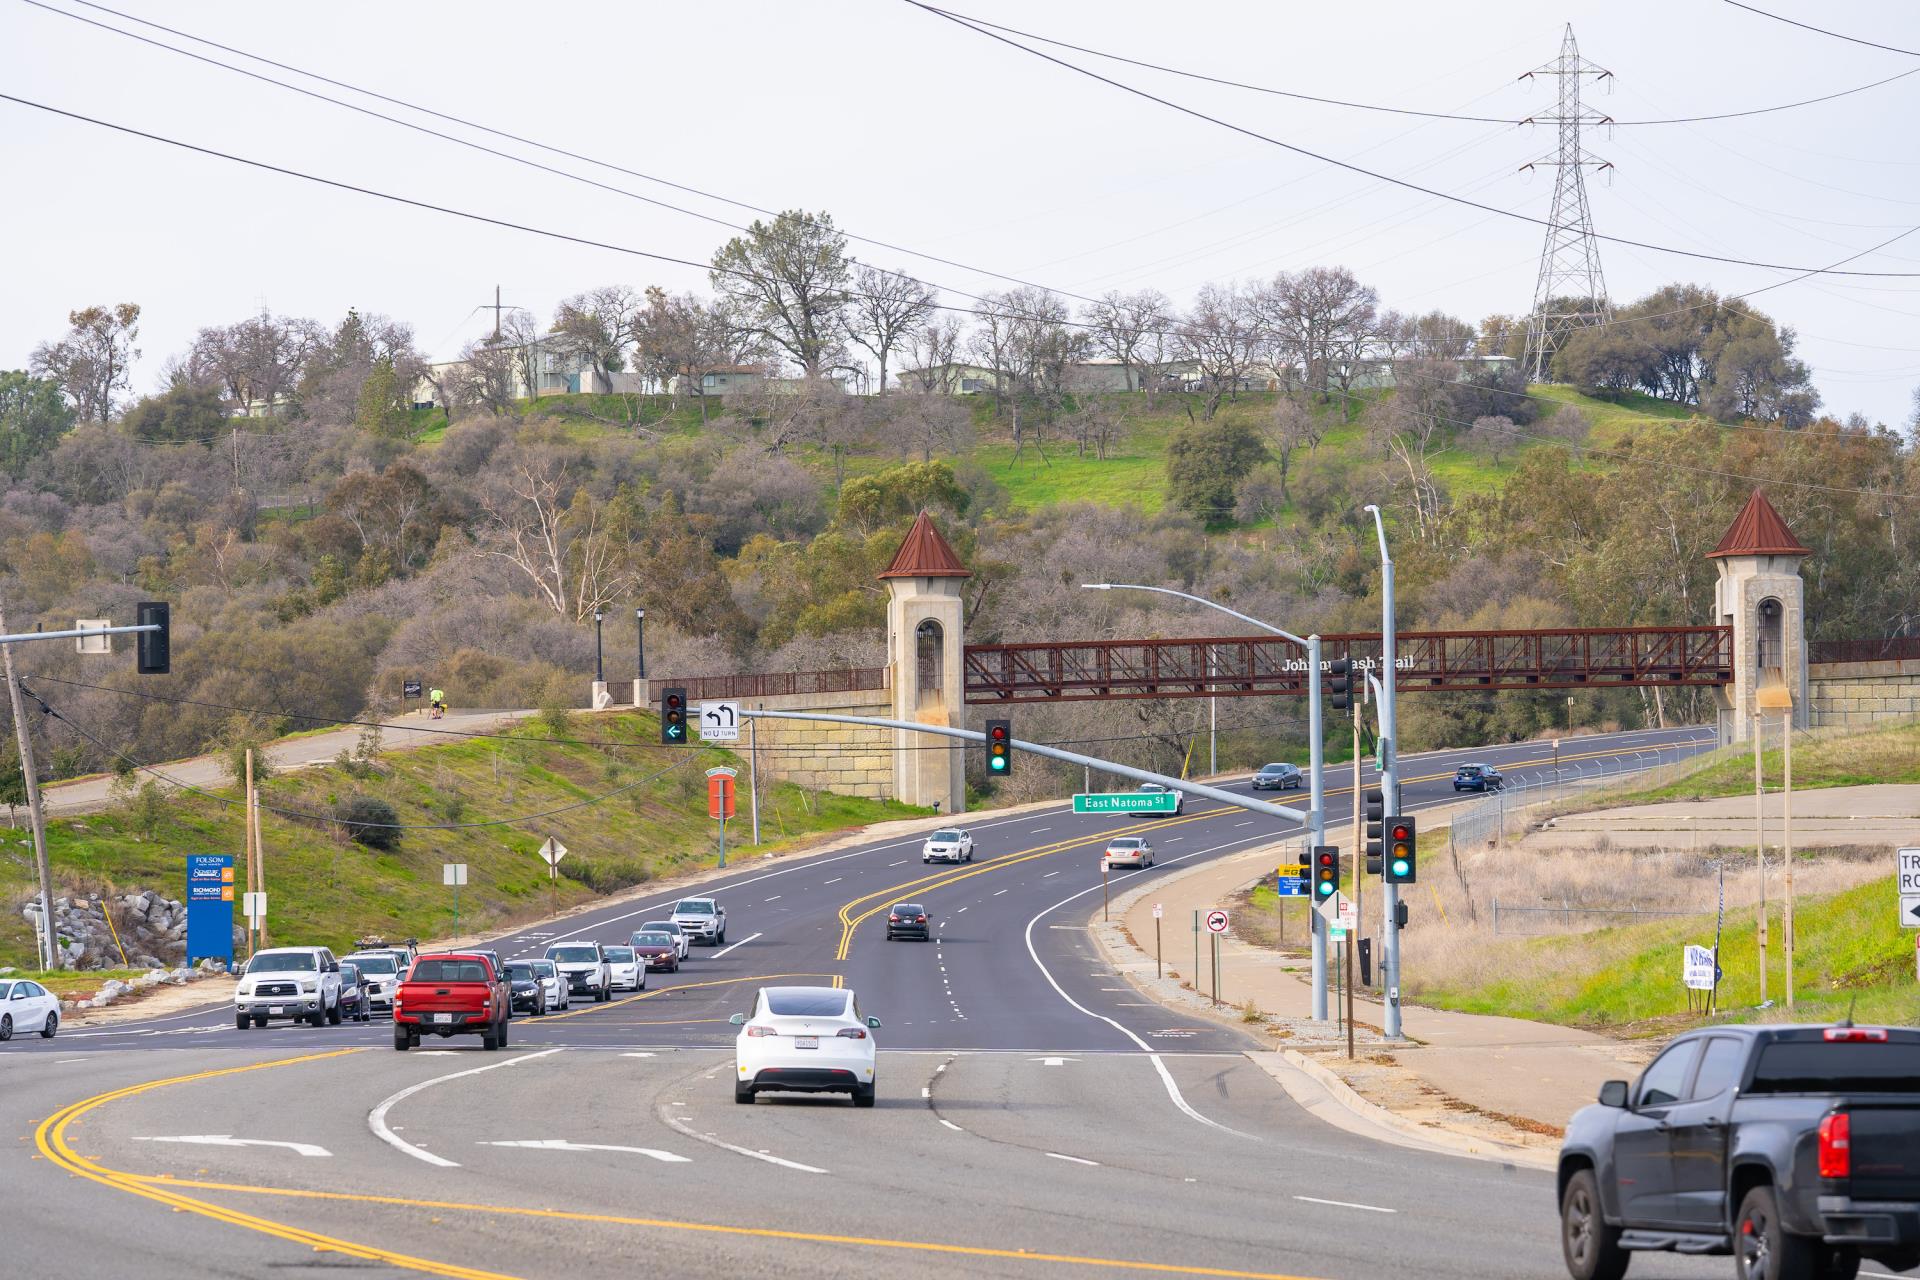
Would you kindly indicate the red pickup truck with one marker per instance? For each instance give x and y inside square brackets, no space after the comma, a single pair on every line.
[451,994]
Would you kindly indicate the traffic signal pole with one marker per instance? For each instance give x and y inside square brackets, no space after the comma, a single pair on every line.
[1390,784]
[1317,817]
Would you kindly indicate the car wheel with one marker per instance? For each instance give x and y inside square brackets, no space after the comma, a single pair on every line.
[490,1038]
[401,1040]
[1591,1247]
[53,1025]
[241,1022]
[503,1031]
[720,938]
[926,862]
[863,1095]
[743,1093]
[6,1027]
[317,1019]
[333,1014]
[259,1019]
[1767,1251]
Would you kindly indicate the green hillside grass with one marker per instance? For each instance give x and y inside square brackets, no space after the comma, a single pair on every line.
[1888,753]
[326,890]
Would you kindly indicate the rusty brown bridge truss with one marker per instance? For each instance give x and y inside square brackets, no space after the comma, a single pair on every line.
[1233,666]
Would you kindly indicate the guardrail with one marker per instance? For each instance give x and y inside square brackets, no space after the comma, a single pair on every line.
[1487,821]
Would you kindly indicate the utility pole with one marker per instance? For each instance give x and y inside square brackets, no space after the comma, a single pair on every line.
[1786,840]
[1213,721]
[31,775]
[251,815]
[1760,852]
[496,315]
[1570,292]
[1389,785]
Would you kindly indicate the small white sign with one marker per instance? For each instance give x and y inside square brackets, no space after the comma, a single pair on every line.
[552,851]
[723,772]
[453,873]
[1909,868]
[254,906]
[92,644]
[1338,911]
[1216,922]
[1156,911]
[1910,911]
[719,722]
[1697,968]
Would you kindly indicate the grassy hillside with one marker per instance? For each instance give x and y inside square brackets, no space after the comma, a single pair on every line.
[621,823]
[1889,753]
[1850,945]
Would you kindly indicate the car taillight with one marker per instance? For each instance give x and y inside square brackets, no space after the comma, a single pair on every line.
[1855,1035]
[893,919]
[757,1032]
[919,919]
[852,1033]
[1836,1146]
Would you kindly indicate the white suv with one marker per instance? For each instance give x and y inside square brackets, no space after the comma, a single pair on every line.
[950,844]
[300,984]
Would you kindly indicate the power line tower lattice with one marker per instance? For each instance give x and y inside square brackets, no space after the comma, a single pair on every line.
[1571,292]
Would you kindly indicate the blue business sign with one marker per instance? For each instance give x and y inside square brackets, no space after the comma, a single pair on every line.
[1290,880]
[209,907]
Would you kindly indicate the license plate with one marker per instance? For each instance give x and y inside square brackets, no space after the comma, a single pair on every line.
[443,1017]
[276,1010]
[806,1042]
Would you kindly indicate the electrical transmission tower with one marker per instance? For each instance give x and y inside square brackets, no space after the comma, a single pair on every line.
[1570,292]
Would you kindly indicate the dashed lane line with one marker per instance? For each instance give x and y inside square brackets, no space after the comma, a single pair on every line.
[1346,1204]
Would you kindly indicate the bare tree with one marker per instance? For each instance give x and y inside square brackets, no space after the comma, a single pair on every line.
[520,331]
[258,360]
[484,378]
[927,423]
[598,326]
[1221,335]
[568,545]
[1322,317]
[932,348]
[90,363]
[1292,427]
[788,279]
[1097,424]
[1131,328]
[884,309]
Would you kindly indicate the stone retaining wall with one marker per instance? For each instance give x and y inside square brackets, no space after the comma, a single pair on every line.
[846,759]
[1856,695]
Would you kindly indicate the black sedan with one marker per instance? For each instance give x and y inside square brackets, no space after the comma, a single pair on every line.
[527,991]
[1278,777]
[908,920]
[355,1004]
[1477,777]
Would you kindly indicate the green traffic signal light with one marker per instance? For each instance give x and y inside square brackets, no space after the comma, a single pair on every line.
[1000,747]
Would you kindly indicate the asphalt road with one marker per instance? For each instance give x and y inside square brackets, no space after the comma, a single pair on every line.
[1035,1114]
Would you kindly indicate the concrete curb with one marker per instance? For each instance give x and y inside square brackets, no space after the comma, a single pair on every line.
[1428,1135]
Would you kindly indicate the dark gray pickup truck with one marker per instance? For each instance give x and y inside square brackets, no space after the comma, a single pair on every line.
[1794,1148]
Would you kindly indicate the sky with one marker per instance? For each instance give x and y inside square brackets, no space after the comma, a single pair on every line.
[913,130]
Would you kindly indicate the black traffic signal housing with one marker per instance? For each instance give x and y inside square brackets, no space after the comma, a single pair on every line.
[999,748]
[153,650]
[1403,855]
[673,717]
[1326,871]
[1376,802]
[1341,683]
[1399,915]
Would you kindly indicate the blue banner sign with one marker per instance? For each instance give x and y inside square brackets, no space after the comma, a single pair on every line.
[209,907]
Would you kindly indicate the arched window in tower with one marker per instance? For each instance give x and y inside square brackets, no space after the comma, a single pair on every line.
[1769,648]
[929,668]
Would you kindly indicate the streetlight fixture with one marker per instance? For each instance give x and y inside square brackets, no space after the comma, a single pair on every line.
[1390,782]
[640,649]
[1317,762]
[599,666]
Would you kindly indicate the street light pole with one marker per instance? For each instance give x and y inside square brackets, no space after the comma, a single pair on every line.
[1390,785]
[599,664]
[640,657]
[1316,751]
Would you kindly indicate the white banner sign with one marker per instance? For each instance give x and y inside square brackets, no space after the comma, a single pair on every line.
[1697,968]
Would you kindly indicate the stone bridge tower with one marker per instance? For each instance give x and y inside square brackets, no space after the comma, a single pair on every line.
[926,640]
[1761,596]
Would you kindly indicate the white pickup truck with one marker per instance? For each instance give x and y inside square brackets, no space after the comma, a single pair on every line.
[702,919]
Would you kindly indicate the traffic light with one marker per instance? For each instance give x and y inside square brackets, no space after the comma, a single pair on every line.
[1402,855]
[673,717]
[1341,670]
[1376,814]
[153,649]
[1326,871]
[999,748]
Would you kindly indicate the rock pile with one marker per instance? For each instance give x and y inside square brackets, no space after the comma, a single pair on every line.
[152,929]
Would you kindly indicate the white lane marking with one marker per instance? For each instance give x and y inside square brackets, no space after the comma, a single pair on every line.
[1247,823]
[561,1144]
[228,1140]
[1053,1062]
[1176,840]
[1346,1204]
[775,898]
[998,892]
[64,1062]
[739,1151]
[961,911]
[1050,875]
[736,946]
[951,1125]
[377,1118]
[1037,830]
[641,1054]
[835,880]
[925,1092]
[1055,1155]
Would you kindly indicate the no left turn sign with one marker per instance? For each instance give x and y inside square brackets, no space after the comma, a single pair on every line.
[1216,922]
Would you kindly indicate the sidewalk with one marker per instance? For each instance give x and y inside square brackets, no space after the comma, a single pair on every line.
[402,733]
[1460,1070]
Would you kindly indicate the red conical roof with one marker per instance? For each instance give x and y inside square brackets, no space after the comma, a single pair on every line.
[924,553]
[1759,531]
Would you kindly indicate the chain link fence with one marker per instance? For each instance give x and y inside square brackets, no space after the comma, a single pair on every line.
[1502,812]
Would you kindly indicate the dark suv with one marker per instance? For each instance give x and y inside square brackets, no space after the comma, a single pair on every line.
[908,920]
[1477,777]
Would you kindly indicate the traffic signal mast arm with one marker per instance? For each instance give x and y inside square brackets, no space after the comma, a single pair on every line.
[1281,811]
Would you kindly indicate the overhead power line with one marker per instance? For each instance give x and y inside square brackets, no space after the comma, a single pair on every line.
[1375,174]
[1405,111]
[1808,26]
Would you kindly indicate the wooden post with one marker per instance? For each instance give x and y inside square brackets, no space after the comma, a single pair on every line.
[49,941]
[259,861]
[1760,850]
[247,854]
[1786,840]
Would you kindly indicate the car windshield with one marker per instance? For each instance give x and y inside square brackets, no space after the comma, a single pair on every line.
[282,962]
[520,972]
[1275,768]
[1151,786]
[652,939]
[1125,842]
[544,968]
[450,971]
[944,836]
[909,909]
[376,964]
[620,955]
[576,955]
[667,927]
[807,1004]
[695,907]
[1821,1066]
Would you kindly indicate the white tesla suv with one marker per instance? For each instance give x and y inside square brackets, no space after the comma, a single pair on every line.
[804,1039]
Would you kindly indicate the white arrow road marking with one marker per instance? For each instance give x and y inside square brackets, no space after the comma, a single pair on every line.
[561,1144]
[739,1151]
[228,1140]
[1346,1204]
[736,946]
[377,1118]
[640,1054]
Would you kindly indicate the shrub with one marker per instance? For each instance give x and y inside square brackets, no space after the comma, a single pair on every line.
[369,820]
[607,875]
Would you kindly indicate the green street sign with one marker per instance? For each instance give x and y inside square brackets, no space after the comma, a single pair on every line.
[1127,802]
